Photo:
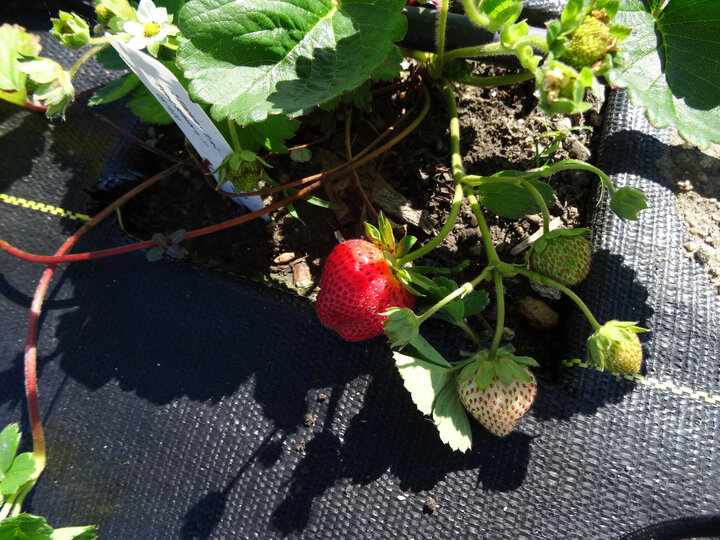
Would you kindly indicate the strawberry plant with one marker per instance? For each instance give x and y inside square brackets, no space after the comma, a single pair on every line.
[240,77]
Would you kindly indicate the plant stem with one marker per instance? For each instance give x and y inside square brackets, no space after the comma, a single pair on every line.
[544,280]
[568,164]
[499,80]
[468,331]
[500,322]
[493,258]
[234,135]
[84,58]
[458,172]
[464,289]
[437,66]
[36,308]
[488,49]
[474,14]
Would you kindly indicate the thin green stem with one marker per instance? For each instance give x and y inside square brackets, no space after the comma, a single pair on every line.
[488,49]
[567,164]
[468,331]
[234,135]
[474,14]
[500,322]
[107,39]
[544,280]
[536,42]
[538,198]
[437,68]
[464,289]
[499,80]
[84,58]
[458,172]
[492,255]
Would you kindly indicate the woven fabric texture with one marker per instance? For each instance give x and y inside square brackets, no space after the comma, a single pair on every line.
[184,403]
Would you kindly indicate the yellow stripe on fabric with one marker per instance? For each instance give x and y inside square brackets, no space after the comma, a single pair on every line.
[652,382]
[41,207]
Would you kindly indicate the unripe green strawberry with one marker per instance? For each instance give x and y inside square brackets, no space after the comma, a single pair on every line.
[589,43]
[563,255]
[498,407]
[615,346]
[625,356]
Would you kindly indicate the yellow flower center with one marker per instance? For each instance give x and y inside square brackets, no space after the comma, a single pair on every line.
[151,29]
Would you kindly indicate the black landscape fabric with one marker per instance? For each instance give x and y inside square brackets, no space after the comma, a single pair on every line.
[180,402]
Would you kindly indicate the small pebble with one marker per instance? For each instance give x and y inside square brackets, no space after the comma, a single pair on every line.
[537,313]
[301,275]
[430,505]
[705,254]
[309,420]
[684,185]
[284,258]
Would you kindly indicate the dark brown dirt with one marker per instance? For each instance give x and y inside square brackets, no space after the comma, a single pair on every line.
[500,128]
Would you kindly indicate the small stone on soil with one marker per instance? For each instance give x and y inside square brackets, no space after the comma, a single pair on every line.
[284,258]
[537,313]
[309,420]
[430,505]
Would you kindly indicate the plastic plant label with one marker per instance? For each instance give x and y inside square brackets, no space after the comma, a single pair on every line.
[188,115]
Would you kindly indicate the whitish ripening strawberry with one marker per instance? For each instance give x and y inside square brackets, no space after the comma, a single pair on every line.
[616,346]
[498,407]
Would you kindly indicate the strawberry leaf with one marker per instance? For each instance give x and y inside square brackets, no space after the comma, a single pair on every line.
[673,67]
[25,527]
[428,352]
[75,533]
[251,59]
[14,42]
[115,89]
[475,302]
[451,419]
[423,379]
[9,440]
[513,202]
[21,471]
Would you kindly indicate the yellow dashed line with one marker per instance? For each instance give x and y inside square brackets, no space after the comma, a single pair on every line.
[47,208]
[651,382]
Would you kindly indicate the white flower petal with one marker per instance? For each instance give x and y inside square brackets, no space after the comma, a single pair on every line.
[137,42]
[146,11]
[160,16]
[134,28]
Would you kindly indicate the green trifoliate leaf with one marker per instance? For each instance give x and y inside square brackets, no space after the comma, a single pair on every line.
[70,30]
[673,65]
[9,440]
[401,326]
[14,43]
[21,471]
[75,533]
[115,90]
[424,380]
[428,352]
[475,302]
[451,419]
[25,527]
[510,201]
[627,201]
[251,59]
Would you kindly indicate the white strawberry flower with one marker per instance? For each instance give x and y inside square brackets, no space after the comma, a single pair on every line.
[151,27]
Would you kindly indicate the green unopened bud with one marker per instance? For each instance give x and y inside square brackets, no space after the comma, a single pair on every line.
[54,85]
[401,326]
[627,201]
[70,30]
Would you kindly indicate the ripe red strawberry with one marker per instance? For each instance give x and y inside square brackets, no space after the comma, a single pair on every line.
[356,286]
[563,255]
[498,407]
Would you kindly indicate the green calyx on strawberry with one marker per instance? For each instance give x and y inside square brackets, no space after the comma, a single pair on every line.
[616,347]
[563,255]
[498,392]
[361,281]
[242,169]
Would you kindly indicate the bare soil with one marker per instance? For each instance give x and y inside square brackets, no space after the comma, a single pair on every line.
[501,128]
